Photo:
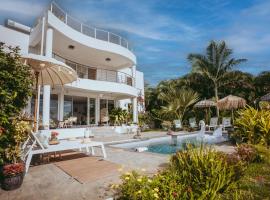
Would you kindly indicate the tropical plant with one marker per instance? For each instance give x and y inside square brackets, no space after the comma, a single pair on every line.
[215,64]
[192,174]
[16,82]
[118,116]
[205,171]
[253,126]
[177,101]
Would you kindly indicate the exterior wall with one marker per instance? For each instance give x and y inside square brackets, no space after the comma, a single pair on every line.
[14,38]
[63,28]
[103,86]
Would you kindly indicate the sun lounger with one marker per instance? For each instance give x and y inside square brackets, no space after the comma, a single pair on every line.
[226,122]
[192,122]
[213,123]
[39,145]
[177,124]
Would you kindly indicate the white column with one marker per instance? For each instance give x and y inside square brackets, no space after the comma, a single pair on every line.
[49,42]
[97,110]
[47,88]
[135,110]
[134,75]
[61,106]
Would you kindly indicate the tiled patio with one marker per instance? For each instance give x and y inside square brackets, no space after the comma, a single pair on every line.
[47,181]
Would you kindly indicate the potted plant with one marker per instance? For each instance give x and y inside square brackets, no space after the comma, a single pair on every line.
[12,168]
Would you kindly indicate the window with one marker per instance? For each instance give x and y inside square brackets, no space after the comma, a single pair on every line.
[92,111]
[82,71]
[54,107]
[68,106]
[92,73]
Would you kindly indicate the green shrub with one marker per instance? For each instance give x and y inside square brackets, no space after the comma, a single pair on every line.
[192,174]
[205,171]
[253,126]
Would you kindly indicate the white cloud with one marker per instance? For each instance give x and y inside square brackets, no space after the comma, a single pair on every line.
[21,7]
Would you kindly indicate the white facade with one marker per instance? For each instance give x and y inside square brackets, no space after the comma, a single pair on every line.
[105,65]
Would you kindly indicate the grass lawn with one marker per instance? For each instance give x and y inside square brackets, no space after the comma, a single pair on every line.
[255,184]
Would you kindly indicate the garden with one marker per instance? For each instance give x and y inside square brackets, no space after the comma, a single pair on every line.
[203,172]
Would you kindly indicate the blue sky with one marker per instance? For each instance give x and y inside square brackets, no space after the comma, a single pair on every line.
[163,32]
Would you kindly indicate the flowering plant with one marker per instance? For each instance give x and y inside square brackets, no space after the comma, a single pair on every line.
[54,135]
[13,169]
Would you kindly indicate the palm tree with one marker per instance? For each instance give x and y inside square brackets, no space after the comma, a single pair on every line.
[215,64]
[177,101]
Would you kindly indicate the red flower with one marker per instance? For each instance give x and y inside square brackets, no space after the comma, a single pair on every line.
[13,169]
[54,133]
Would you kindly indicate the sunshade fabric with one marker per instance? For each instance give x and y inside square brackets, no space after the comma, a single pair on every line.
[50,71]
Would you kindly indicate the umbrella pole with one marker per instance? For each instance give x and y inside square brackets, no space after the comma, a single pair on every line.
[36,102]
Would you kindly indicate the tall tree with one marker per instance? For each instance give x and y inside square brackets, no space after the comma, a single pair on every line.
[214,64]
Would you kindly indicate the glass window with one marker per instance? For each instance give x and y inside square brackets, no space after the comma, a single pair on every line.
[82,71]
[80,109]
[110,105]
[71,64]
[68,106]
[92,73]
[54,107]
[103,111]
[92,111]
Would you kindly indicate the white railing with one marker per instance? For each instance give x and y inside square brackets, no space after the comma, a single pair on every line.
[88,30]
[99,74]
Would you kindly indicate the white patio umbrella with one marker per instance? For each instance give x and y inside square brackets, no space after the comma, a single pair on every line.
[48,71]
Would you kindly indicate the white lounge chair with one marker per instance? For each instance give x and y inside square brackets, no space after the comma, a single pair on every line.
[226,122]
[177,124]
[213,123]
[39,146]
[192,122]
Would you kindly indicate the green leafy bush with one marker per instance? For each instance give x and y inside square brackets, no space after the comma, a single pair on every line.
[118,116]
[253,126]
[193,174]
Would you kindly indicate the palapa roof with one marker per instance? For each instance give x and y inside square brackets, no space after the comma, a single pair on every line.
[231,102]
[205,104]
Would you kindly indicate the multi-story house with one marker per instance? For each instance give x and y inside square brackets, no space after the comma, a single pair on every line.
[104,62]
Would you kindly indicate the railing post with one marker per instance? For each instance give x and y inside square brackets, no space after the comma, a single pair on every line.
[81,28]
[108,36]
[66,18]
[120,42]
[95,33]
[51,7]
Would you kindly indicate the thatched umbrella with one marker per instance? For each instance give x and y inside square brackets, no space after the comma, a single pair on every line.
[265,97]
[231,103]
[205,104]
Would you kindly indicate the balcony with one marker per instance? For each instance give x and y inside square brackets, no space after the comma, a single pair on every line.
[88,30]
[92,73]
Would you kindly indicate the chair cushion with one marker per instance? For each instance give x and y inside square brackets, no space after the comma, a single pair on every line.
[43,139]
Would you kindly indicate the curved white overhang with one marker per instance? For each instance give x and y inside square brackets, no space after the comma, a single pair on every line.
[128,59]
[104,87]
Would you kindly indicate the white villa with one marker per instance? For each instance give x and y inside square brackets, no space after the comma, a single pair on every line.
[104,62]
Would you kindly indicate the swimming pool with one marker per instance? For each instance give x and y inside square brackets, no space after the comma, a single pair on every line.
[164,145]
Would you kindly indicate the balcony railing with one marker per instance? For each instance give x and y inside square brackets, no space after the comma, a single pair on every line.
[88,30]
[99,74]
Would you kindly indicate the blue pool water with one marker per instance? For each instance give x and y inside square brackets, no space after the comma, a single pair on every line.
[168,148]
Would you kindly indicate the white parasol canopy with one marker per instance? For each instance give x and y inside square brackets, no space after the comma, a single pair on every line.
[48,71]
